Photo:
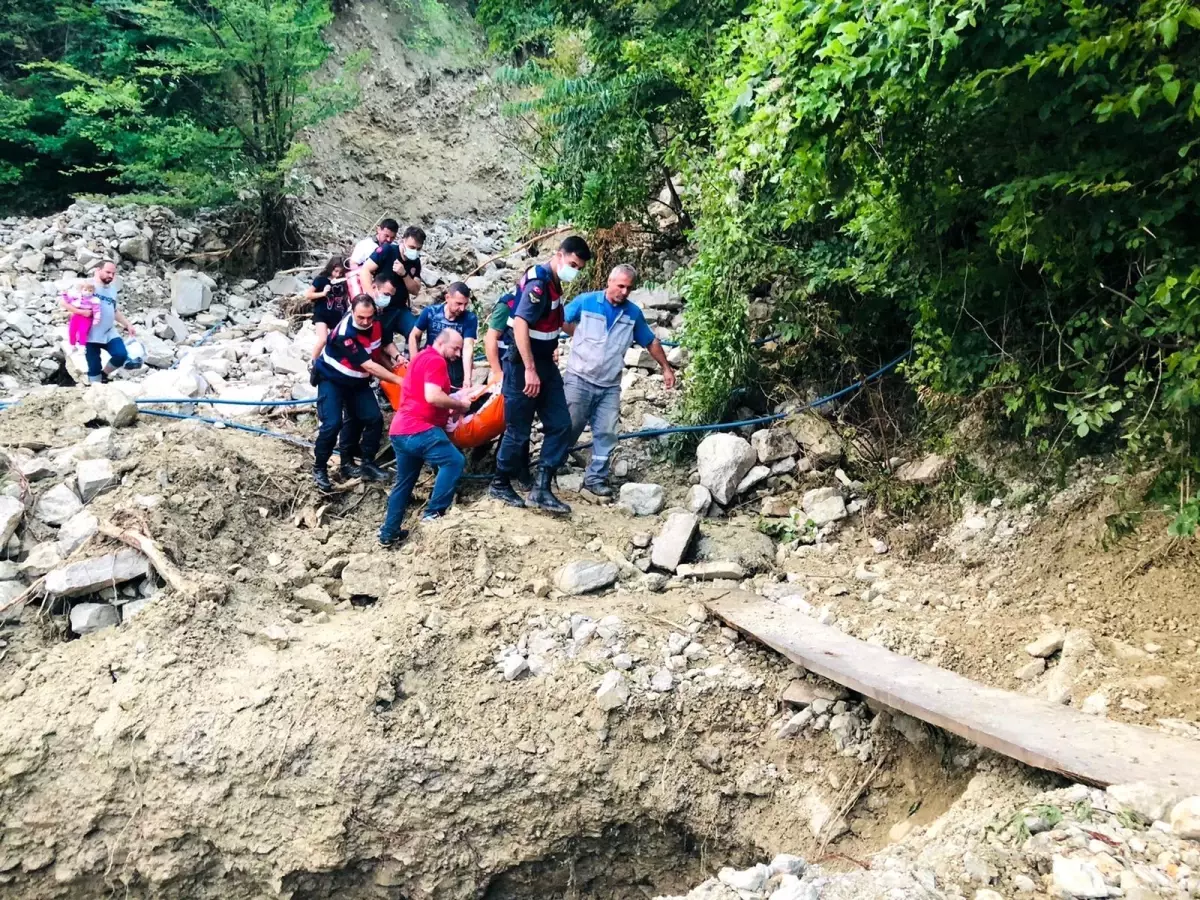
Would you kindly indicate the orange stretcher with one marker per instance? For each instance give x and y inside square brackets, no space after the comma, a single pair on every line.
[484,423]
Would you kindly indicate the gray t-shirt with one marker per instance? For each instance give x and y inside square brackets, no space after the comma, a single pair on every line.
[104,326]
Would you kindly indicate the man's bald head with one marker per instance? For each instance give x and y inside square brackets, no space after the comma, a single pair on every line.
[449,343]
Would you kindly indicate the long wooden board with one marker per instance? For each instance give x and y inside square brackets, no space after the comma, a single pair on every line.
[1046,735]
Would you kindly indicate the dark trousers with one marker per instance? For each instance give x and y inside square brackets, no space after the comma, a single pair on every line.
[550,405]
[412,452]
[117,353]
[362,428]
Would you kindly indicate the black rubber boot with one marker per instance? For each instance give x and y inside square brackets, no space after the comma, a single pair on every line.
[524,480]
[372,472]
[543,498]
[501,489]
[321,479]
[350,471]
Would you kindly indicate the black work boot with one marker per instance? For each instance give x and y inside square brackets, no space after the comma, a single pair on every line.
[372,472]
[351,470]
[598,488]
[501,489]
[543,498]
[524,480]
[321,479]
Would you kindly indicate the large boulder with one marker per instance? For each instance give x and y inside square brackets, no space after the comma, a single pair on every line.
[110,406]
[724,460]
[137,248]
[821,443]
[773,444]
[190,294]
[583,576]
[89,575]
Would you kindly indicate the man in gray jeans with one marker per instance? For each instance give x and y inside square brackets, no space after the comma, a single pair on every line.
[603,325]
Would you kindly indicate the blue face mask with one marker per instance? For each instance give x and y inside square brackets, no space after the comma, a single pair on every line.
[411,254]
[567,274]
[383,301]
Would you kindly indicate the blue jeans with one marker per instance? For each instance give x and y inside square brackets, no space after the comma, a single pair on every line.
[362,428]
[599,407]
[116,352]
[412,452]
[550,405]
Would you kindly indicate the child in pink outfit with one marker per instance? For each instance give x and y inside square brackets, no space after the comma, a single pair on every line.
[83,306]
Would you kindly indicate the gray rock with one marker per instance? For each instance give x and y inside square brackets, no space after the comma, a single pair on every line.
[41,559]
[57,505]
[133,607]
[1031,670]
[662,681]
[656,298]
[159,353]
[94,476]
[89,617]
[826,511]
[639,358]
[699,499]
[754,477]
[9,570]
[513,666]
[88,575]
[109,406]
[75,531]
[925,471]
[642,499]
[582,576]
[711,571]
[32,262]
[724,460]
[1150,801]
[773,444]
[286,285]
[35,468]
[821,443]
[613,691]
[10,591]
[361,578]
[190,295]
[20,322]
[136,248]
[314,597]
[11,513]
[126,228]
[1046,646]
[1185,819]
[1078,878]
[177,327]
[671,544]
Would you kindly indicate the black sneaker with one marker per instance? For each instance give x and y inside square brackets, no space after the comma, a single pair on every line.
[350,471]
[390,543]
[599,489]
[372,472]
[321,479]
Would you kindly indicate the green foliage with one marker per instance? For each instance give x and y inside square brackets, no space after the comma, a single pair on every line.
[177,101]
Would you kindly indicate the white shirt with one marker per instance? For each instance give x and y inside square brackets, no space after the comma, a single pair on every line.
[362,252]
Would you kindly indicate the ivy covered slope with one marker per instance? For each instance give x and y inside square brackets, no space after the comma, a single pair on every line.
[182,102]
[1009,188]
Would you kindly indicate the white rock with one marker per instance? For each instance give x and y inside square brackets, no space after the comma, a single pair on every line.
[57,505]
[110,406]
[820,441]
[925,471]
[513,666]
[11,513]
[711,571]
[1095,704]
[787,864]
[41,559]
[1047,645]
[613,691]
[190,294]
[93,476]
[88,575]
[754,477]
[792,888]
[361,577]
[1077,878]
[662,681]
[642,499]
[1150,801]
[822,512]
[75,531]
[752,880]
[582,576]
[724,460]
[1185,819]
[699,499]
[670,545]
[284,285]
[21,323]
[89,617]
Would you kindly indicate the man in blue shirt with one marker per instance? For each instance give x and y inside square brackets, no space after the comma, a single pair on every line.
[603,325]
[454,312]
[103,333]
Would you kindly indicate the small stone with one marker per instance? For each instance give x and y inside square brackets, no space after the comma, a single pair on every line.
[641,540]
[925,471]
[94,476]
[1078,878]
[1023,884]
[880,547]
[57,505]
[1095,704]
[697,613]
[671,545]
[314,597]
[75,531]
[712,571]
[662,681]
[89,575]
[642,499]
[775,507]
[1031,670]
[513,666]
[787,864]
[613,691]
[699,499]
[11,513]
[751,880]
[583,576]
[623,662]
[773,444]
[1046,646]
[753,478]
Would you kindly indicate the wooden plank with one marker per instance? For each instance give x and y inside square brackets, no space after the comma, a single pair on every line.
[1045,735]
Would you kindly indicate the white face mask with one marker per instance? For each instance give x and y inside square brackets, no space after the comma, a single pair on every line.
[410,253]
[567,274]
[382,301]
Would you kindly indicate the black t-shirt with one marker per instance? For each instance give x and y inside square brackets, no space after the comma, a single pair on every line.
[333,306]
[386,256]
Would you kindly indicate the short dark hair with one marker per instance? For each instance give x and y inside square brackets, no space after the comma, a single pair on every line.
[363,300]
[460,288]
[390,224]
[381,278]
[577,246]
[414,231]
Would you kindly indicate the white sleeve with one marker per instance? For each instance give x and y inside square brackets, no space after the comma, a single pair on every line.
[362,251]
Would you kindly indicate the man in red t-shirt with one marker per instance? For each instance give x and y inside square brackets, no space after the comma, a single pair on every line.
[419,436]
